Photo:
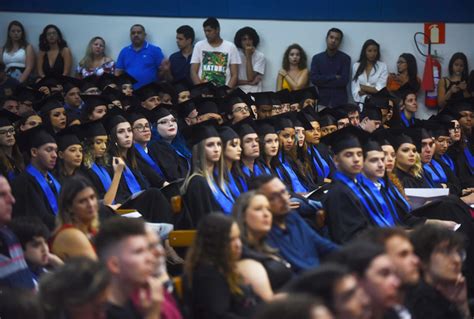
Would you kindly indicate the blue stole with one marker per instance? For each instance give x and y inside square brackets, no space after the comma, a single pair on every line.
[295,182]
[103,175]
[436,172]
[394,194]
[378,200]
[322,171]
[42,181]
[470,159]
[11,176]
[225,201]
[362,194]
[257,171]
[405,120]
[448,161]
[149,160]
[131,181]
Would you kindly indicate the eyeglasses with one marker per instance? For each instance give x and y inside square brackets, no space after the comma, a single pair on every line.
[10,131]
[401,62]
[241,109]
[456,128]
[142,128]
[167,122]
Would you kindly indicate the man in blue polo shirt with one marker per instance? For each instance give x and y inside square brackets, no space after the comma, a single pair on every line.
[141,59]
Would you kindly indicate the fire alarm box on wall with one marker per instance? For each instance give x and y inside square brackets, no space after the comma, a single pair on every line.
[436,32]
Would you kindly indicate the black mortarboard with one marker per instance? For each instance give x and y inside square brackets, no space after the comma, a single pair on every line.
[397,137]
[49,81]
[67,137]
[231,99]
[347,137]
[202,89]
[380,99]
[134,116]
[70,83]
[243,129]
[129,101]
[226,133]
[112,121]
[158,113]
[48,103]
[262,98]
[106,79]
[147,91]
[436,127]
[282,121]
[185,108]
[371,145]
[181,86]
[35,137]
[460,106]
[7,118]
[125,78]
[206,105]
[112,94]
[91,101]
[284,96]
[89,83]
[372,112]
[303,120]
[264,127]
[202,131]
[91,129]
[327,120]
[307,93]
[310,114]
[24,93]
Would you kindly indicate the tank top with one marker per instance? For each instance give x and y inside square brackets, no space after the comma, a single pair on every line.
[58,66]
[14,59]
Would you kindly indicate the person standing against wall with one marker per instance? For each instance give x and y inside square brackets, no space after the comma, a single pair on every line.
[140,59]
[330,71]
[180,61]
[214,59]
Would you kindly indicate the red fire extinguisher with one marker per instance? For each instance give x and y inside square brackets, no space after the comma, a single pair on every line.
[431,75]
[431,95]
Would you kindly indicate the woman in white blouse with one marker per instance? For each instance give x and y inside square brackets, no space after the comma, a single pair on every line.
[370,74]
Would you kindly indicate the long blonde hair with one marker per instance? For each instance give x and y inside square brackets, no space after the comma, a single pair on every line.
[199,162]
[89,56]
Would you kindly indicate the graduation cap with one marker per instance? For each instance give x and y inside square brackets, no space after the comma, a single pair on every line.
[284,96]
[202,131]
[371,144]
[106,79]
[91,129]
[34,138]
[49,81]
[48,103]
[147,91]
[69,83]
[230,100]
[24,93]
[302,121]
[310,114]
[91,101]
[221,91]
[381,99]
[398,136]
[125,78]
[7,118]
[181,86]
[133,116]
[282,121]
[311,92]
[185,108]
[90,82]
[372,113]
[347,137]
[206,105]
[264,127]
[327,117]
[227,134]
[113,117]
[158,113]
[244,128]
[460,106]
[130,101]
[262,98]
[67,137]
[202,89]
[112,94]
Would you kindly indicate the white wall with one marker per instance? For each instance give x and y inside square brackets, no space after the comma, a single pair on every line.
[394,38]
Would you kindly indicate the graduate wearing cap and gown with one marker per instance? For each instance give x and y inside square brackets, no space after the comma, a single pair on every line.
[205,190]
[134,189]
[69,165]
[52,112]
[264,104]
[235,106]
[36,190]
[95,107]
[72,100]
[182,91]
[26,96]
[348,206]
[11,159]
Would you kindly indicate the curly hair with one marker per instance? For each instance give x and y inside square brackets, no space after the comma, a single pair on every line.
[43,41]
[243,32]
[303,64]
[88,154]
[211,247]
[8,46]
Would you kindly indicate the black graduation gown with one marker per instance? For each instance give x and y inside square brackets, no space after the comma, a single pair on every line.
[172,165]
[153,177]
[346,216]
[463,172]
[199,199]
[453,182]
[31,201]
[410,181]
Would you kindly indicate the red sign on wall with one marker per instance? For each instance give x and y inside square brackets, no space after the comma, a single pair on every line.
[436,32]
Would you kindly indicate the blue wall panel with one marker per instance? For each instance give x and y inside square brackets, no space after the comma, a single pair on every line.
[325,10]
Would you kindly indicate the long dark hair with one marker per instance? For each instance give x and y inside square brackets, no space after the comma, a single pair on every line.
[459,56]
[43,41]
[303,58]
[8,46]
[412,69]
[211,247]
[363,57]
[114,150]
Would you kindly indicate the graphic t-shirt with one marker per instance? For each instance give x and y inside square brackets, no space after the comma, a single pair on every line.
[215,61]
